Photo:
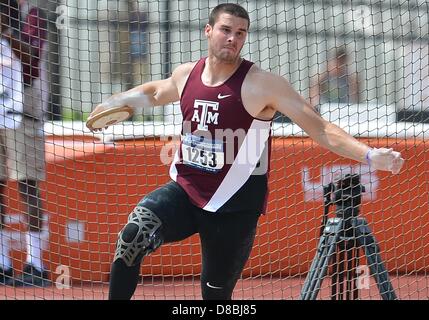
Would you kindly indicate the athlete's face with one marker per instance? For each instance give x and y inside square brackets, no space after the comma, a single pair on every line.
[226,38]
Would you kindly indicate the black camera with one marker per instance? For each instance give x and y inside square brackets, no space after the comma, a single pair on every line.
[347,193]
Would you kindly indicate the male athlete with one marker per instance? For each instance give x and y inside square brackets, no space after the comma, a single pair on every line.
[217,190]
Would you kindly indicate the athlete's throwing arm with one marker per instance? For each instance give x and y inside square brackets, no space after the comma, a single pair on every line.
[263,94]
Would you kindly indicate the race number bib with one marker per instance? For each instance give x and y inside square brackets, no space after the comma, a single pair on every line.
[202,153]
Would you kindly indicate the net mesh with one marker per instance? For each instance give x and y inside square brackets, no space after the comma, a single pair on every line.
[361,64]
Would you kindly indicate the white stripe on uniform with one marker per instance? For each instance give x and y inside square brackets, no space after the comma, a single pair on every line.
[244,164]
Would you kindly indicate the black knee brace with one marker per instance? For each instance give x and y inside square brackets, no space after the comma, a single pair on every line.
[140,236]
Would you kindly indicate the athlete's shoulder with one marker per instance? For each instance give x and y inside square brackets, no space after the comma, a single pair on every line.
[257,74]
[261,90]
[180,75]
[260,81]
[184,68]
[269,83]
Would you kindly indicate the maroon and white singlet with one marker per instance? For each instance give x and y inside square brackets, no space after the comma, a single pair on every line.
[223,159]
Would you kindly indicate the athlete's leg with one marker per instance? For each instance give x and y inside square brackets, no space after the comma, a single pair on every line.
[6,271]
[226,242]
[163,216]
[34,272]
[29,191]
[26,164]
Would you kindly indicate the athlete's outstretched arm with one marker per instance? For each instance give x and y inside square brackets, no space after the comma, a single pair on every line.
[289,102]
[150,94]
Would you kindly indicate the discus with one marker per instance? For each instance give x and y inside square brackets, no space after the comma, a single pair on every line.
[109,117]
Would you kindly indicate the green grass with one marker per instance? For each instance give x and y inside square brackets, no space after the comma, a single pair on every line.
[74,115]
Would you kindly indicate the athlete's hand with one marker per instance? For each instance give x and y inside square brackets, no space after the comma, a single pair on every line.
[385,159]
[113,101]
[99,108]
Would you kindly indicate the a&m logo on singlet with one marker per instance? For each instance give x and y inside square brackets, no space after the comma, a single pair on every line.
[205,112]
[203,152]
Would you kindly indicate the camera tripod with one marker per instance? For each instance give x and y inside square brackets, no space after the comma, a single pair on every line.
[345,236]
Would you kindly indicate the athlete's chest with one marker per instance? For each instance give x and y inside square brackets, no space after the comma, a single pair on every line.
[214,108]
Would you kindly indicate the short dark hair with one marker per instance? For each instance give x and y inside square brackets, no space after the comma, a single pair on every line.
[10,9]
[230,8]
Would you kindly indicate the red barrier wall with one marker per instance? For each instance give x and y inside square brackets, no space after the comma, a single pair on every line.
[98,185]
